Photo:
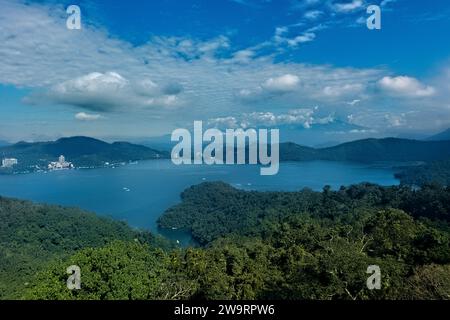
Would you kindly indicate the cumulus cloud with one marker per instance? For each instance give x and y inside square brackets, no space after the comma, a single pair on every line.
[304,117]
[312,85]
[95,91]
[106,92]
[271,87]
[111,75]
[243,56]
[83,116]
[94,71]
[284,83]
[406,86]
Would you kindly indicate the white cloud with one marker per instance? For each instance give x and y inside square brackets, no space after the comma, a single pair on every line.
[284,83]
[354,102]
[83,116]
[306,37]
[313,14]
[106,92]
[395,120]
[386,2]
[243,56]
[348,6]
[311,84]
[343,90]
[304,117]
[280,37]
[92,70]
[406,86]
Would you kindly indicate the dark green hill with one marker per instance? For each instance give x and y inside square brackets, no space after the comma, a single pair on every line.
[371,150]
[81,151]
[433,172]
[259,245]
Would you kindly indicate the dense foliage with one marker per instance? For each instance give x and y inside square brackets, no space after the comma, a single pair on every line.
[32,234]
[277,245]
[120,270]
[437,172]
[213,210]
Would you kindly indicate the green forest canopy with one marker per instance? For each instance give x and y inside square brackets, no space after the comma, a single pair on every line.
[255,245]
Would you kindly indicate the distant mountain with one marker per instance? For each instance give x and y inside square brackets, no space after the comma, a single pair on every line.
[444,135]
[370,150]
[81,151]
[4,143]
[327,144]
[161,142]
[339,131]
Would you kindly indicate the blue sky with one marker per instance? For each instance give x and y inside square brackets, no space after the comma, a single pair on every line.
[143,68]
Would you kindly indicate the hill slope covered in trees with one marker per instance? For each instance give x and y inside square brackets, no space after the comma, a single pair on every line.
[31,235]
[277,245]
[433,172]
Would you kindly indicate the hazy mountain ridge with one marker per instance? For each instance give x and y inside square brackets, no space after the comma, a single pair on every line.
[444,135]
[90,152]
[370,150]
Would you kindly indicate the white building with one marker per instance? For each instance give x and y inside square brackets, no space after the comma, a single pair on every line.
[9,162]
[60,164]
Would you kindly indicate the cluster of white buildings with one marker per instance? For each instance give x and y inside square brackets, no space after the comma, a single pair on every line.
[60,164]
[9,162]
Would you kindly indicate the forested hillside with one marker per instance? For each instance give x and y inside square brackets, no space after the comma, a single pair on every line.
[32,234]
[277,245]
[436,172]
[213,210]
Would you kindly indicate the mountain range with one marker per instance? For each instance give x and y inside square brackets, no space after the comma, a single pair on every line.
[370,150]
[444,135]
[318,135]
[81,151]
[90,152]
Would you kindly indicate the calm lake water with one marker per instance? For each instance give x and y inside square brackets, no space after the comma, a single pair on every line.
[139,193]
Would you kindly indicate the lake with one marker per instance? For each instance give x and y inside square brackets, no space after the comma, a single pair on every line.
[139,193]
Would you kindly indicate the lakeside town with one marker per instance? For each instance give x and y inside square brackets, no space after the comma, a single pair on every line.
[61,164]
[14,166]
[72,153]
